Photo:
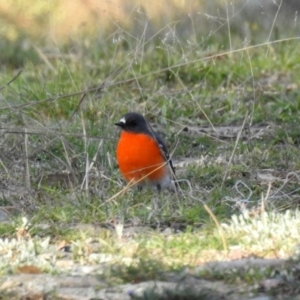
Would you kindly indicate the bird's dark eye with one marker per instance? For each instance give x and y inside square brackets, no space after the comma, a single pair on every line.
[133,123]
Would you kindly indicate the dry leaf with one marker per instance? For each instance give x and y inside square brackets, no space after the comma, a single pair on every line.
[27,269]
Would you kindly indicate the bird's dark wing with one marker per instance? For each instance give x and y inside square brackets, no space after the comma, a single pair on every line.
[164,150]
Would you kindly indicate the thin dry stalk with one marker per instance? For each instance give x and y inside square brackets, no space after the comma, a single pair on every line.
[26,161]
[131,184]
[234,149]
[220,230]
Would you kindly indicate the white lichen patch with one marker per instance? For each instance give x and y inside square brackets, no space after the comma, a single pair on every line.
[273,231]
[15,253]
[40,253]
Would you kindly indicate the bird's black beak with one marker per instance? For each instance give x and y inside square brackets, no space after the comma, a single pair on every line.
[120,124]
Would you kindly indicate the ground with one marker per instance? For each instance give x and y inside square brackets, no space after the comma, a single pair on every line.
[227,108]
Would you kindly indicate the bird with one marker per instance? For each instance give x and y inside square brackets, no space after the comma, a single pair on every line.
[142,155]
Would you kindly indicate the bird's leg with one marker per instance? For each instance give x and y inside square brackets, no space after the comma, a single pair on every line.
[158,188]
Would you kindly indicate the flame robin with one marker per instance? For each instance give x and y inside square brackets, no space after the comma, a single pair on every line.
[142,155]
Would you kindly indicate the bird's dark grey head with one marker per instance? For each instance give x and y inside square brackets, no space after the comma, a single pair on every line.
[133,122]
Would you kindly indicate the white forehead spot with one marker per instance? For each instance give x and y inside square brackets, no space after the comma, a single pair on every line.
[123,120]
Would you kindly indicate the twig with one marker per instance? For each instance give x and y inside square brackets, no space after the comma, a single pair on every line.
[13,79]
[48,132]
[152,73]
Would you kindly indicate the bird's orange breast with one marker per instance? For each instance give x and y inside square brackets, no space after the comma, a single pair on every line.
[139,156]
